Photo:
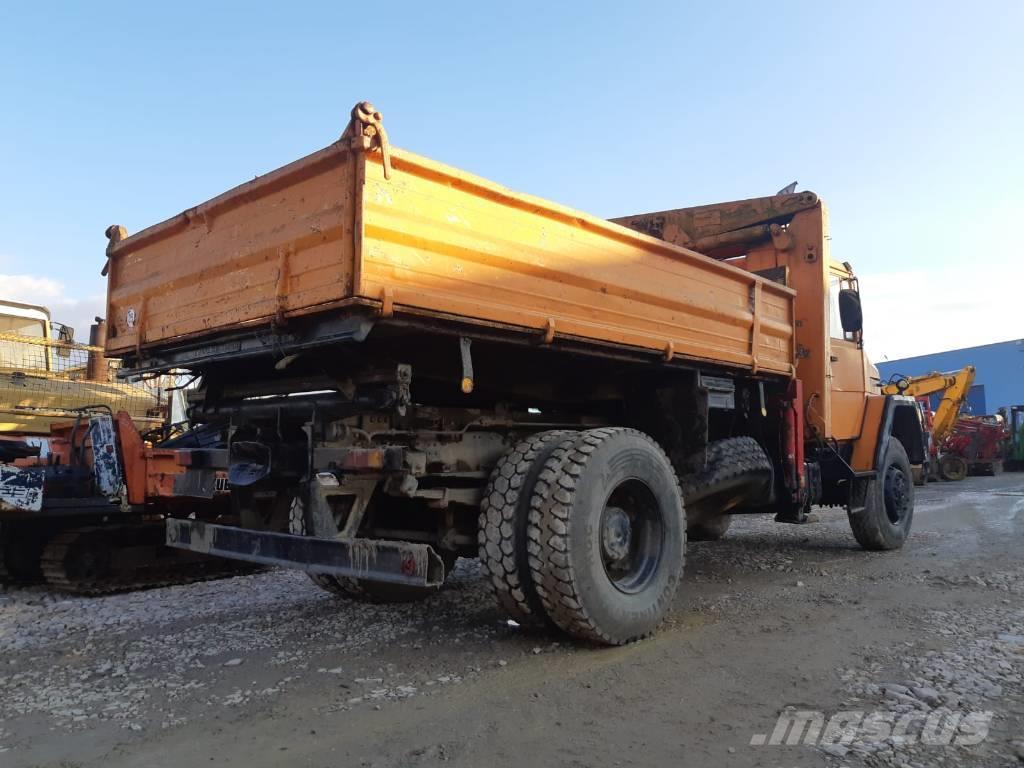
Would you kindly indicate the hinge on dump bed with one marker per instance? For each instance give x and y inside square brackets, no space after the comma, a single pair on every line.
[366,131]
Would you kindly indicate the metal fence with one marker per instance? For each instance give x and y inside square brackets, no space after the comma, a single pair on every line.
[50,358]
[43,380]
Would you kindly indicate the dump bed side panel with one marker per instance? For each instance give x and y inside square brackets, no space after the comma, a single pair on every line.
[432,239]
[280,243]
[438,239]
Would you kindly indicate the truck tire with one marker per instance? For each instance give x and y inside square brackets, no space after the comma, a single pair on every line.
[737,471]
[921,472]
[606,536]
[266,513]
[888,512]
[711,529]
[952,468]
[367,591]
[504,514]
[370,591]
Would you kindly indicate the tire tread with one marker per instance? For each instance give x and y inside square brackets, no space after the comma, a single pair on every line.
[503,559]
[551,559]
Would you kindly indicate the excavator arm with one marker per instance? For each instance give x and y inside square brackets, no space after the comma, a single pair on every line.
[954,388]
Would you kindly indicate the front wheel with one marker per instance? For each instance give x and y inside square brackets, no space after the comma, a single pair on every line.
[884,521]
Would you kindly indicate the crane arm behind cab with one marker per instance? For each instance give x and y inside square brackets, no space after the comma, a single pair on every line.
[954,388]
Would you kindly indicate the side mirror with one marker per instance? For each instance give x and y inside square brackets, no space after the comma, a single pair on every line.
[850,314]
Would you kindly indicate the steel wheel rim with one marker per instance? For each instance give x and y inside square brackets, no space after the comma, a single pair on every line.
[897,494]
[631,534]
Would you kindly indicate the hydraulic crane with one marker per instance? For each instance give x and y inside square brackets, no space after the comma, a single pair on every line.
[954,388]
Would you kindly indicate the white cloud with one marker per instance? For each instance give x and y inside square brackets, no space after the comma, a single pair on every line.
[920,312]
[78,312]
[968,292]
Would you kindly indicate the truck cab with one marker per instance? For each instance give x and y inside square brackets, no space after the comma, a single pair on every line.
[786,238]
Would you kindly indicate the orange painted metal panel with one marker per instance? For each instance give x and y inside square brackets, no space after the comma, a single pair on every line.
[848,383]
[280,243]
[865,446]
[431,238]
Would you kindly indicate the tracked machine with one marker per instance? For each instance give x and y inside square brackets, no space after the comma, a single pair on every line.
[403,363]
[69,513]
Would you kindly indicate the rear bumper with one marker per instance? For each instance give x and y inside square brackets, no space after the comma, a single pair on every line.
[395,562]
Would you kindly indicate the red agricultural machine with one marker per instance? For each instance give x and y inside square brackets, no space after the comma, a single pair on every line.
[979,441]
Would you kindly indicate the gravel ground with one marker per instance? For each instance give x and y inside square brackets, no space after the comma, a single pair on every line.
[266,669]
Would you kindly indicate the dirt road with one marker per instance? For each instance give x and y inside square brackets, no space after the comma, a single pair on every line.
[267,670]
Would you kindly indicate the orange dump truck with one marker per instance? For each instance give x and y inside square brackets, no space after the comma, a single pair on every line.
[406,363]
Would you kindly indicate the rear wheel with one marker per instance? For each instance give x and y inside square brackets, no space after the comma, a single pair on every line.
[709,530]
[351,588]
[368,591]
[504,514]
[606,536]
[267,510]
[884,522]
[737,471]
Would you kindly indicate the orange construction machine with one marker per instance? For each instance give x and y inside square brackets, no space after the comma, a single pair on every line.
[83,494]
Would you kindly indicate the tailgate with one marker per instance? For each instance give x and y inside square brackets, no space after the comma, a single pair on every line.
[275,246]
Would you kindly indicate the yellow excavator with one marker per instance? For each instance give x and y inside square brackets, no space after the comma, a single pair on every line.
[954,388]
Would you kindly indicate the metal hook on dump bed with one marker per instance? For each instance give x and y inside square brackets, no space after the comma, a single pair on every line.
[115,234]
[367,123]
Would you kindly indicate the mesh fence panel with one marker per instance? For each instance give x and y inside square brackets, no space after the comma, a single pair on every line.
[50,377]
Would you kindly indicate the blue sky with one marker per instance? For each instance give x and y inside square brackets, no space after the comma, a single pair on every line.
[906,117]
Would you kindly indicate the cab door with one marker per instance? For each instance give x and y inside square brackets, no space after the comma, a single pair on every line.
[847,364]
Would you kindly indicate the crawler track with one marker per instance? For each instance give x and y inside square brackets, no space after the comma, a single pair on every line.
[104,559]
